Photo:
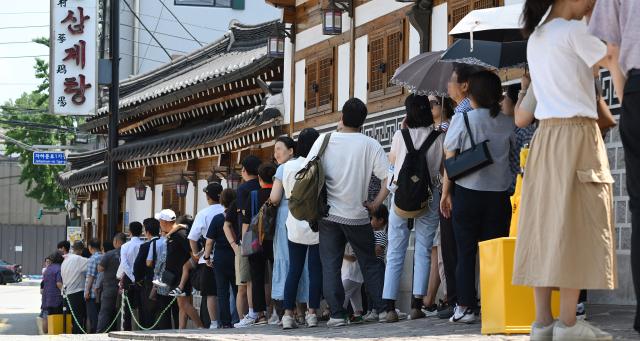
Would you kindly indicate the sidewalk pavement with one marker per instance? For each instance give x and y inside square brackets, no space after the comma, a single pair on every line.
[617,320]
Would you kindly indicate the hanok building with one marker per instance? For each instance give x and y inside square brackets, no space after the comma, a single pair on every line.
[182,125]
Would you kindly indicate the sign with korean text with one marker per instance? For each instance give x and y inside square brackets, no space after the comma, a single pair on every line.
[49,158]
[73,57]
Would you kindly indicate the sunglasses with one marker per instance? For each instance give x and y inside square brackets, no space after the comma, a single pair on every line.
[434,103]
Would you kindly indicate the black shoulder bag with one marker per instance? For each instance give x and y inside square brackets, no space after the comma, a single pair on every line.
[470,160]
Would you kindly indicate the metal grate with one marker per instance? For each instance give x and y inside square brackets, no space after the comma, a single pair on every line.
[460,12]
[482,4]
[325,83]
[377,57]
[312,76]
[394,55]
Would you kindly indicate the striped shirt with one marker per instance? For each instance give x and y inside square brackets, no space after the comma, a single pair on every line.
[381,239]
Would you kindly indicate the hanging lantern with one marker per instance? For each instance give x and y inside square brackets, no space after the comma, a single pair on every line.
[214,178]
[141,191]
[331,19]
[181,186]
[73,212]
[233,180]
[275,43]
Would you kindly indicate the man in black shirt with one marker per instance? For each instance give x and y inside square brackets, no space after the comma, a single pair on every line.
[144,274]
[109,266]
[178,253]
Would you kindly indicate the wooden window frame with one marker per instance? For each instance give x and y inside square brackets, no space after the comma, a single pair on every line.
[170,197]
[387,34]
[454,5]
[314,75]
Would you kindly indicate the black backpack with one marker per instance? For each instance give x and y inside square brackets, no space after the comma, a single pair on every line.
[413,186]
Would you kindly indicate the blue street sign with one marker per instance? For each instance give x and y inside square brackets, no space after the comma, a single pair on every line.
[49,158]
[126,219]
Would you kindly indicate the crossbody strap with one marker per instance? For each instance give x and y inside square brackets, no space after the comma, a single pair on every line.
[254,203]
[325,142]
[466,122]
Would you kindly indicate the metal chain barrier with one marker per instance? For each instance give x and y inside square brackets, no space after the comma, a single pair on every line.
[118,314]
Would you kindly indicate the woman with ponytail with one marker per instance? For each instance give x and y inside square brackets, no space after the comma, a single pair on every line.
[481,208]
[565,228]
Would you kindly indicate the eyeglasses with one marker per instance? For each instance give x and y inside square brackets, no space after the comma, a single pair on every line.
[434,103]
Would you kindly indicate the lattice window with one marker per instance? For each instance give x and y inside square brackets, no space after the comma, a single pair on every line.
[481,4]
[386,54]
[459,13]
[320,83]
[166,199]
[458,9]
[171,201]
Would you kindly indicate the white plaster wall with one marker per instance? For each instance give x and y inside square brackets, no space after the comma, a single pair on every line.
[439,29]
[286,91]
[313,35]
[300,90]
[189,206]
[513,2]
[202,197]
[95,207]
[343,74]
[376,9]
[414,42]
[139,210]
[158,203]
[360,69]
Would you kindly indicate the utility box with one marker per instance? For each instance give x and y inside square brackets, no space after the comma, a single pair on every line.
[55,324]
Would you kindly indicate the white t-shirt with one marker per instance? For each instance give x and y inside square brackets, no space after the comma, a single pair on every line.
[351,270]
[298,231]
[435,153]
[349,161]
[561,55]
[201,225]
[73,271]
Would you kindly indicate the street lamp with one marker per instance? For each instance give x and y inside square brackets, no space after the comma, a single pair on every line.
[332,16]
[214,178]
[141,188]
[73,213]
[182,184]
[233,180]
[275,40]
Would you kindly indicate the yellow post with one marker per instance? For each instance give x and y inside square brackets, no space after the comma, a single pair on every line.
[55,324]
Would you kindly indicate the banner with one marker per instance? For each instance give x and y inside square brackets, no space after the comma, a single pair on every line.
[74,233]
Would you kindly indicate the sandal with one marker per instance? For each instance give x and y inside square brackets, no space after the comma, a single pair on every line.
[325,314]
[177,292]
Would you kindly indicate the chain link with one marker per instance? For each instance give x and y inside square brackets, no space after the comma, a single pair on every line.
[134,316]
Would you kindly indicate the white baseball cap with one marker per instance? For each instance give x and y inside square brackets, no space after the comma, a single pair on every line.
[166,215]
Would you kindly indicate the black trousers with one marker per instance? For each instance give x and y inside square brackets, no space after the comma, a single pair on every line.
[165,320]
[258,264]
[132,295]
[77,303]
[449,251]
[477,216]
[629,127]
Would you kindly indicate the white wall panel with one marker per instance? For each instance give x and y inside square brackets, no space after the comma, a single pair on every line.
[414,42]
[343,74]
[360,77]
[158,203]
[286,91]
[189,207]
[439,28]
[300,90]
[139,210]
[202,197]
[313,35]
[513,2]
[377,8]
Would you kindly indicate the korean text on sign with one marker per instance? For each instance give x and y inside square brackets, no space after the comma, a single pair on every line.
[49,158]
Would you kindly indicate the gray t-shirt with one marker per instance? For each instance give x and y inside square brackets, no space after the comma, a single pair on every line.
[499,131]
[110,262]
[616,22]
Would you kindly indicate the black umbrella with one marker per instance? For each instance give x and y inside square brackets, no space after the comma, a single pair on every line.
[490,54]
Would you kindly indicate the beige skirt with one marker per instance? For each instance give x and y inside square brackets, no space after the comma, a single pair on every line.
[565,228]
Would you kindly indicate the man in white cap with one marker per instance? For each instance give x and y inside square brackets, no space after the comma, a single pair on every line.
[198,233]
[178,253]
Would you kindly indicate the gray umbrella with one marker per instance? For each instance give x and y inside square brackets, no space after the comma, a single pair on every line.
[423,75]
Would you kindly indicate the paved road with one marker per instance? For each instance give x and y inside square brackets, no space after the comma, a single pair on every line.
[19,308]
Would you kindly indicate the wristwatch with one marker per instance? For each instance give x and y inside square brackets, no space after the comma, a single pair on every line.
[523,91]
[206,258]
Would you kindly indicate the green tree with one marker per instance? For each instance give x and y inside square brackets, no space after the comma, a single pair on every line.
[42,72]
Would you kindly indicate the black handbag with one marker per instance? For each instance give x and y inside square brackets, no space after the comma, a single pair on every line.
[195,277]
[470,160]
[167,277]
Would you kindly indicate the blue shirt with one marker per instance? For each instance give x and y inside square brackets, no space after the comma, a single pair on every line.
[523,136]
[464,106]
[92,270]
[223,255]
[501,140]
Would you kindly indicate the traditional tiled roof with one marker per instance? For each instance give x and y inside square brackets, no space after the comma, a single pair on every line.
[84,176]
[240,53]
[82,160]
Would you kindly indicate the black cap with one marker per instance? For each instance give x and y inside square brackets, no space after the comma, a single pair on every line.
[213,190]
[421,101]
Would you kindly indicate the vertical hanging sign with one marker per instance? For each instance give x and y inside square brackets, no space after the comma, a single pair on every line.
[73,83]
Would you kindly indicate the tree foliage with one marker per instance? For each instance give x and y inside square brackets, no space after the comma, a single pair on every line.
[42,72]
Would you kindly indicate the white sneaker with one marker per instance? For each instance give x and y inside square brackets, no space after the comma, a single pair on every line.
[372,317]
[466,316]
[311,320]
[273,320]
[382,317]
[247,321]
[540,332]
[335,322]
[160,283]
[288,322]
[214,325]
[401,315]
[582,330]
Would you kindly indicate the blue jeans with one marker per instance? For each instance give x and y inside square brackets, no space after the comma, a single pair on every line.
[223,280]
[232,305]
[425,232]
[92,313]
[333,238]
[297,258]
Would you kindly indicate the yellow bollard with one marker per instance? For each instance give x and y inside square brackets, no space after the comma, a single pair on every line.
[506,308]
[55,324]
